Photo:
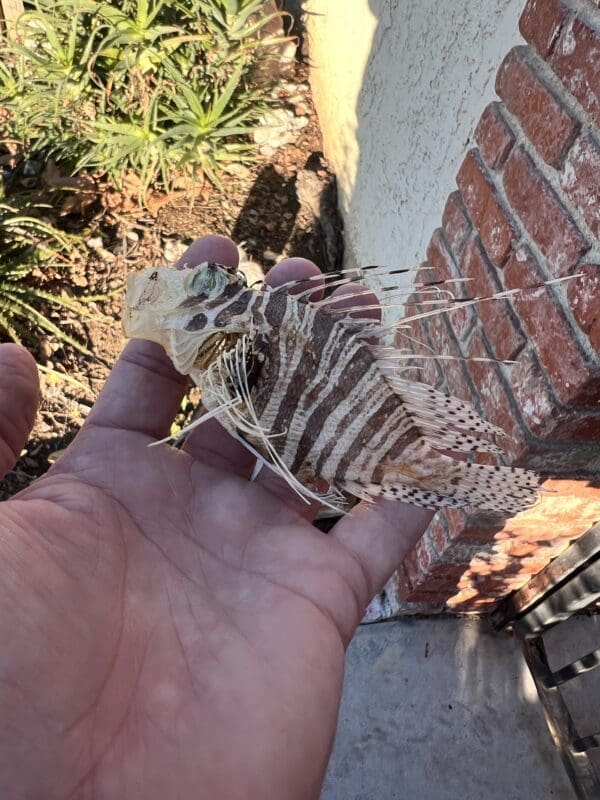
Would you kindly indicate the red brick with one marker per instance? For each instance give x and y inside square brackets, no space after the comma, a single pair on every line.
[433,605]
[472,527]
[497,317]
[455,223]
[580,179]
[580,427]
[422,601]
[542,116]
[409,372]
[528,542]
[444,582]
[449,564]
[497,566]
[418,581]
[584,302]
[403,584]
[576,60]
[541,413]
[542,214]
[426,369]
[519,548]
[495,400]
[497,586]
[454,369]
[486,210]
[469,600]
[437,532]
[426,570]
[575,380]
[494,137]
[444,268]
[532,394]
[452,546]
[541,22]
[566,509]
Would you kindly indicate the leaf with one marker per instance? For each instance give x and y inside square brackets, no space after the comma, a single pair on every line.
[137,86]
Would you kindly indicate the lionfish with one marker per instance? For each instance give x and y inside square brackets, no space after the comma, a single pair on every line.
[316,394]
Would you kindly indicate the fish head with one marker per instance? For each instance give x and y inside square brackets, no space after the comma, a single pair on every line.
[185,309]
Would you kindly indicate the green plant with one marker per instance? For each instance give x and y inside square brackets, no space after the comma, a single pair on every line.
[30,246]
[168,91]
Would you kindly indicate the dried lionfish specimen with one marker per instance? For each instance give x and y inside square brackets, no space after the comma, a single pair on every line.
[315,393]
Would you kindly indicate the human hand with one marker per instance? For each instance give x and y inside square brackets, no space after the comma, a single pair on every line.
[170,629]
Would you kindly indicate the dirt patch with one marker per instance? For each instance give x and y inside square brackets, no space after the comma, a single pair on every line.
[283,204]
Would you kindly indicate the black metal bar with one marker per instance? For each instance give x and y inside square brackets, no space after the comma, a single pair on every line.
[580,769]
[576,556]
[575,668]
[575,595]
[586,743]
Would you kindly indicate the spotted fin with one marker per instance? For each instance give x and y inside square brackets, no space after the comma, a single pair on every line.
[506,490]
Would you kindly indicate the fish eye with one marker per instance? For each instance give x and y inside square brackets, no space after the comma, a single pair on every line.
[209,280]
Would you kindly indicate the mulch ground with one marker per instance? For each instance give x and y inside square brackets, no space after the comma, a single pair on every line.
[283,204]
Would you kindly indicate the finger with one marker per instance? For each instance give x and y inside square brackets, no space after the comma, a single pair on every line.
[277,486]
[214,249]
[355,295]
[19,398]
[212,445]
[380,535]
[347,299]
[296,269]
[144,391]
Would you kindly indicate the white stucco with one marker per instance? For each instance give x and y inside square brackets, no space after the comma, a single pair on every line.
[399,87]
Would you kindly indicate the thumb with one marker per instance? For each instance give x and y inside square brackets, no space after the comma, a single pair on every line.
[19,397]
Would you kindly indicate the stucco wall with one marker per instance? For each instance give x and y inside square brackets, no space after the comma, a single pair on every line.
[399,95]
[399,86]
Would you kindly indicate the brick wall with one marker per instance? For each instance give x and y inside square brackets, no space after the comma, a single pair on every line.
[527,209]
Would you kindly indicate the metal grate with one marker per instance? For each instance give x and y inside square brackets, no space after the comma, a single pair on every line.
[569,585]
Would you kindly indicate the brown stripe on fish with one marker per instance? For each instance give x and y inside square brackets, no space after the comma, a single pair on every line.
[399,423]
[288,348]
[273,308]
[235,309]
[380,420]
[360,362]
[335,362]
[395,451]
[309,365]
[196,300]
[228,293]
[336,353]
[352,422]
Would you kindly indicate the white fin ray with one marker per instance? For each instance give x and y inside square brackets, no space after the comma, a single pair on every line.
[230,369]
[432,407]
[222,409]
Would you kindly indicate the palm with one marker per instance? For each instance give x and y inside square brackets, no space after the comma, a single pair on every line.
[173,629]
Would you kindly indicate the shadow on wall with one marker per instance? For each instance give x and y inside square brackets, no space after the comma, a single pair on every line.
[400,86]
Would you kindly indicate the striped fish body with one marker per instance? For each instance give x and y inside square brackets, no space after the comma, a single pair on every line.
[321,398]
[313,397]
